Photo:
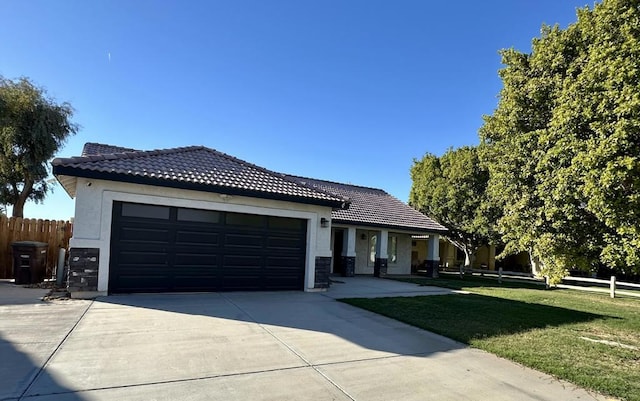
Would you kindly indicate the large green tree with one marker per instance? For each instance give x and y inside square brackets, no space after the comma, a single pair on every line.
[562,145]
[32,129]
[451,189]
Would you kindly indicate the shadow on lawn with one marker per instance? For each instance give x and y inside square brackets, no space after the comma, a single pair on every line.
[471,316]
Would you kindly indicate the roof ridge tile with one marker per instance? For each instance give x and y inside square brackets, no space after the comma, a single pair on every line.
[337,183]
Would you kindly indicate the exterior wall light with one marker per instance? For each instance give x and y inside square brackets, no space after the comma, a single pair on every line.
[324,222]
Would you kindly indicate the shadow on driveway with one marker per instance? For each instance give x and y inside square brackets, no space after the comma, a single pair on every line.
[290,316]
[30,332]
[19,369]
[314,312]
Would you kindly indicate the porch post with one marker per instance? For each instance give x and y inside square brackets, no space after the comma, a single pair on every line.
[349,252]
[380,266]
[433,255]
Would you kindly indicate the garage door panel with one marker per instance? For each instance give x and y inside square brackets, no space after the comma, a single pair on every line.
[291,262]
[285,244]
[138,277]
[195,237]
[177,249]
[241,261]
[195,259]
[145,234]
[244,241]
[183,253]
[134,258]
[195,278]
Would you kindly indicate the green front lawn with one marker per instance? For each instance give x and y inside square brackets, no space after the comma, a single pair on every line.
[538,328]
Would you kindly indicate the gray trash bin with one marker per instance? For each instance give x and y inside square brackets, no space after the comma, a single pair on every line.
[29,261]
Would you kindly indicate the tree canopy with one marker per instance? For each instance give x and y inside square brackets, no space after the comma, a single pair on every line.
[452,190]
[32,129]
[562,146]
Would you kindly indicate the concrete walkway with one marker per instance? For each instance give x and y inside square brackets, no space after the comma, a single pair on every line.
[245,346]
[371,287]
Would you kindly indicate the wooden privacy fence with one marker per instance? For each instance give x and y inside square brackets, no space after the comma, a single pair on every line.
[12,229]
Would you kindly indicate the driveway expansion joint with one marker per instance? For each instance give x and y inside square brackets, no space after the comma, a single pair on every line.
[309,364]
[44,365]
[192,379]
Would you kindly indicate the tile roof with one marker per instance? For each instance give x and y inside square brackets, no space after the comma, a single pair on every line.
[195,167]
[373,207]
[204,169]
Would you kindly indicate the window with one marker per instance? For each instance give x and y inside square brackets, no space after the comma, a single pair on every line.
[373,241]
[145,211]
[392,249]
[285,223]
[241,219]
[204,216]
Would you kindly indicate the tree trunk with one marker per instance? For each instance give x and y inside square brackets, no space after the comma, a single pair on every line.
[467,258]
[21,199]
[536,265]
[18,208]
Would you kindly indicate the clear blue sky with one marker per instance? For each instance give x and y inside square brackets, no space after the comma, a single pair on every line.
[349,91]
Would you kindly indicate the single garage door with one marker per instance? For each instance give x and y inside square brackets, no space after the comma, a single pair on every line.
[162,248]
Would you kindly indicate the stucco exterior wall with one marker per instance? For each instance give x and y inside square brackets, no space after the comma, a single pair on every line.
[362,253]
[94,205]
[403,264]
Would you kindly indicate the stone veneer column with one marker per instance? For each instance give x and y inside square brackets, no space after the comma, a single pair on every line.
[83,270]
[349,252]
[323,270]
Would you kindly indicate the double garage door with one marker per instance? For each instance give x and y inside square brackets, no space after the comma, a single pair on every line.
[163,248]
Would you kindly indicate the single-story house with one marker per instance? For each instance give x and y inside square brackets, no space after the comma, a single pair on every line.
[195,219]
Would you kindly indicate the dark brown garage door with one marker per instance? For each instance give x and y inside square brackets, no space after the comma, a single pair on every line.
[162,248]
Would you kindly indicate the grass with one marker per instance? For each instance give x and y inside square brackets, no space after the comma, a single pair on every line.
[532,326]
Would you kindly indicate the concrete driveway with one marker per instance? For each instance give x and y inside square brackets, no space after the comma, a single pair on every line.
[244,346]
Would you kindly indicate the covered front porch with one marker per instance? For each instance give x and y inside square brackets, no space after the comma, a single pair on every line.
[379,251]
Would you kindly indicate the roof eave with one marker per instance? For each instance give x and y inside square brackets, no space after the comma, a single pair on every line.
[391,226]
[68,183]
[69,171]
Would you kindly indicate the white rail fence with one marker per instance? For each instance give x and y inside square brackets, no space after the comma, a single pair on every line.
[599,285]
[614,286]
